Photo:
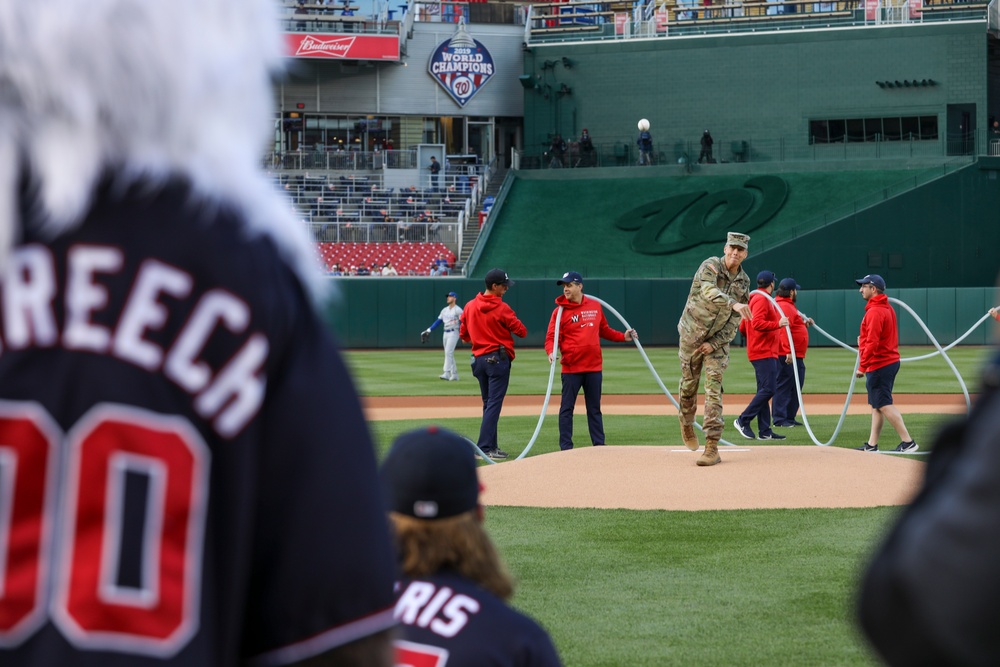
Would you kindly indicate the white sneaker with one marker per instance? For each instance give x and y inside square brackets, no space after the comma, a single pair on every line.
[444,377]
[454,378]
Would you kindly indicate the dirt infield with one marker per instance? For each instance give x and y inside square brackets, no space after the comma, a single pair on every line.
[666,478]
[437,407]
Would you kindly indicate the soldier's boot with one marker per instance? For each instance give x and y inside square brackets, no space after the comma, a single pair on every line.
[711,454]
[688,436]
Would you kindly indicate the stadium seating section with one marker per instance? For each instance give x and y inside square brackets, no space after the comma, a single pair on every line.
[409,259]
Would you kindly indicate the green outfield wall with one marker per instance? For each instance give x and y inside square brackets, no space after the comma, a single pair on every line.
[391,312]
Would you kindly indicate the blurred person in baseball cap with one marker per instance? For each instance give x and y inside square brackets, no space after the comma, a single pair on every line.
[451,570]
[785,403]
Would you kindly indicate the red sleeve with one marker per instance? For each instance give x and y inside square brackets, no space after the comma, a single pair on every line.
[871,332]
[551,333]
[515,325]
[607,333]
[463,328]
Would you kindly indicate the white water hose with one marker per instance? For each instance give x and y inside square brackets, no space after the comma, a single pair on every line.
[805,417]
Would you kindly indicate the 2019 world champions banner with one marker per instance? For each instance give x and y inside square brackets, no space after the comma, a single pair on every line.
[461,65]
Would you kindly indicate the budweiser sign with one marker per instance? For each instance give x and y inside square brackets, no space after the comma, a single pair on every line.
[336,47]
[343,47]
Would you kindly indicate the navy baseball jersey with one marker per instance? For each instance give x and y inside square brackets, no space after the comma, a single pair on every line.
[448,621]
[186,477]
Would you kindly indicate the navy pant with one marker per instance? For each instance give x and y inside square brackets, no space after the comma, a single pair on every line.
[571,384]
[493,372]
[785,404]
[766,371]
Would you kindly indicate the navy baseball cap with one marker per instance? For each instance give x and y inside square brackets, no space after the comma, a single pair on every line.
[498,277]
[570,277]
[765,277]
[453,294]
[872,279]
[430,473]
[789,284]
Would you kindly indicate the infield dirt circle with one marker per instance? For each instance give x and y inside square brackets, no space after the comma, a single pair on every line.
[665,477]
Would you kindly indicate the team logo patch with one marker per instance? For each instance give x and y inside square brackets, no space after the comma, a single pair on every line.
[574,319]
[461,65]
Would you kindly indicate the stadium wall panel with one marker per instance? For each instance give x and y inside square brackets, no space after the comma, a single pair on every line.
[388,313]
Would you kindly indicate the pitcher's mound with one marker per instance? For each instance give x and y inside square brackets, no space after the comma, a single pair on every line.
[645,478]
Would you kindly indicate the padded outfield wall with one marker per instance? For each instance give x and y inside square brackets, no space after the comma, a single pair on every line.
[760,86]
[391,312]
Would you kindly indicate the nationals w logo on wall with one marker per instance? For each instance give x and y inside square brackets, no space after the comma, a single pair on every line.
[461,66]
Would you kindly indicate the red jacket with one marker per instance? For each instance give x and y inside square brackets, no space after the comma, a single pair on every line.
[762,329]
[878,343]
[581,327]
[487,323]
[800,333]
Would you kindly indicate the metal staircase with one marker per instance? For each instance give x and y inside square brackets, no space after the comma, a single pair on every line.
[471,234]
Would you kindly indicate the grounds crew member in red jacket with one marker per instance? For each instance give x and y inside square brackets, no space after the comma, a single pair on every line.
[581,327]
[762,333]
[488,323]
[785,403]
[878,347]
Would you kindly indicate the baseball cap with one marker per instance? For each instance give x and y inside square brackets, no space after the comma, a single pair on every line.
[765,277]
[498,277]
[872,279]
[430,473]
[570,277]
[453,294]
[737,239]
[789,284]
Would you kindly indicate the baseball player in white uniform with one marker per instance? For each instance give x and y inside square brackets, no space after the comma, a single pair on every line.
[449,316]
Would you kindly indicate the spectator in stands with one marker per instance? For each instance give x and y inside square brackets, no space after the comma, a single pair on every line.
[706,148]
[336,269]
[363,270]
[557,151]
[389,270]
[435,169]
[588,157]
[645,142]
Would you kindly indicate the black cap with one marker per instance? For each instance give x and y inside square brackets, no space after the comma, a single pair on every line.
[497,277]
[789,284]
[430,473]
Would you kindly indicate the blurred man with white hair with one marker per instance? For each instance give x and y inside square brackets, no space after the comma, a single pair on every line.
[186,477]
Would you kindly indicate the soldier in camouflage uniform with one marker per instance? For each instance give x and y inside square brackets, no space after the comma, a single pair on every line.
[718,297]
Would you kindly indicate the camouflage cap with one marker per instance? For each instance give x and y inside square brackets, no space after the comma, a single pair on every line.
[737,239]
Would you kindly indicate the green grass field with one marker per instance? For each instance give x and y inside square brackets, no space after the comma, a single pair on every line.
[652,588]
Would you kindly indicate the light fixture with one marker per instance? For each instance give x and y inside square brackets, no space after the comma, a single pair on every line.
[528,81]
[549,64]
[564,89]
[567,63]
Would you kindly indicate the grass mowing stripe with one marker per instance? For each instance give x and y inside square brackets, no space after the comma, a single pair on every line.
[828,371]
[749,587]
[647,430]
